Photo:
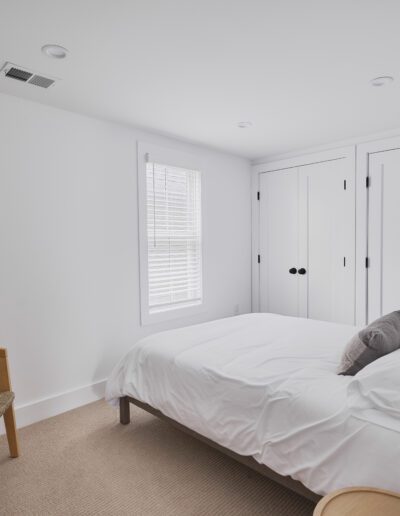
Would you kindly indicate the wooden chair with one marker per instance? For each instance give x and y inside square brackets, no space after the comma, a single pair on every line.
[6,404]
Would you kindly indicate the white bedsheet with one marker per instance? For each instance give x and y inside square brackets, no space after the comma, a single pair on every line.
[265,385]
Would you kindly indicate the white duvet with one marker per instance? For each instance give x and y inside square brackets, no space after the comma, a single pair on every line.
[265,385]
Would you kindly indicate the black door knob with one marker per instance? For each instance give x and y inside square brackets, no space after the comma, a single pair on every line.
[293,270]
[302,271]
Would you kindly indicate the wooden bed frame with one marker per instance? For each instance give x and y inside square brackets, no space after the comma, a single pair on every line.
[294,485]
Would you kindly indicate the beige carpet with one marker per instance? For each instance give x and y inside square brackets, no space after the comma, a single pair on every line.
[84,462]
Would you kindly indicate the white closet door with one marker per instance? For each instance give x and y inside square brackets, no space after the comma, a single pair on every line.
[279,242]
[384,234]
[327,241]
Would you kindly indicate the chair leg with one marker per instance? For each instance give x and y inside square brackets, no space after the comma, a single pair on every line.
[11,431]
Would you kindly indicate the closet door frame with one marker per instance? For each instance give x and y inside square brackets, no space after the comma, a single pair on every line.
[362,172]
[273,166]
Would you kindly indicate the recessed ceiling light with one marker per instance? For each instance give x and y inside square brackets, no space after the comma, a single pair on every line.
[384,80]
[244,125]
[55,51]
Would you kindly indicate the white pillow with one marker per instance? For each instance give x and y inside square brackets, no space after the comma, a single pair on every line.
[374,394]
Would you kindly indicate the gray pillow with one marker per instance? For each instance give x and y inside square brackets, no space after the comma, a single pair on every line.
[377,339]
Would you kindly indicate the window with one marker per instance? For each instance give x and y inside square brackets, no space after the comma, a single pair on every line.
[171,267]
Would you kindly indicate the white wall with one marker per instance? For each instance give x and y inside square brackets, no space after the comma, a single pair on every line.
[69,271]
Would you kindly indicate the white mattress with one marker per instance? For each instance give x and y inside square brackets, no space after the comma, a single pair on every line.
[265,385]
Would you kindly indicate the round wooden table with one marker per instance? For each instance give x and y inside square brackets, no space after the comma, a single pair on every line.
[359,501]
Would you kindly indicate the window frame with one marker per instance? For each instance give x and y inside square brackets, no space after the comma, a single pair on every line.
[154,153]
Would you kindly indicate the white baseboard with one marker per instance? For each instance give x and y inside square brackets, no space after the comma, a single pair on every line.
[53,405]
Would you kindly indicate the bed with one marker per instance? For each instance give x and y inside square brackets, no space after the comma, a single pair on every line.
[263,388]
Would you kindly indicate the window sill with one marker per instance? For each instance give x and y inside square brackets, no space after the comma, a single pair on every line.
[171,314]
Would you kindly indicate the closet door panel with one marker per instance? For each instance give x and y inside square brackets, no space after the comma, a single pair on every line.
[303,241]
[279,242]
[384,234]
[327,242]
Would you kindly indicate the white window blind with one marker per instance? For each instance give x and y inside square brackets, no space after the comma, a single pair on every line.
[173,237]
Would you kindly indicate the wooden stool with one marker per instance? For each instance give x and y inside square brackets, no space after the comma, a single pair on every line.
[359,501]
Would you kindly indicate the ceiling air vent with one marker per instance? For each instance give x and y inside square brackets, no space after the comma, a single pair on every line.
[11,71]
[16,73]
[43,82]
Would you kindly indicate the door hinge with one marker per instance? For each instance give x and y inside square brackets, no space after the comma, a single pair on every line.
[344,261]
[345,185]
[367,182]
[258,196]
[366,262]
[259,259]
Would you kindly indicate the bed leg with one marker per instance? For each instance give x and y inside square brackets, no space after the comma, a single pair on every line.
[124,411]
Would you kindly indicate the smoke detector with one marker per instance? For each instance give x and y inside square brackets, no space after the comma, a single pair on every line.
[18,73]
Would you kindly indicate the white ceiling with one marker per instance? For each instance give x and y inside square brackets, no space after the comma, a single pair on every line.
[298,69]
